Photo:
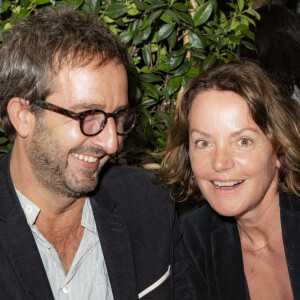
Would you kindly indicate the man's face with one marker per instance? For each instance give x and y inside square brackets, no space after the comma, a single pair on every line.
[62,158]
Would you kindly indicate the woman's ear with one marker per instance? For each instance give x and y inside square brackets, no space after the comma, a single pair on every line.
[20,116]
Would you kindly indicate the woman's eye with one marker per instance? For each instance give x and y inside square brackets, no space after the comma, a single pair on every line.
[202,144]
[244,142]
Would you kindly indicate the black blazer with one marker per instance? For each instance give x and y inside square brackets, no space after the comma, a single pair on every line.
[138,230]
[214,251]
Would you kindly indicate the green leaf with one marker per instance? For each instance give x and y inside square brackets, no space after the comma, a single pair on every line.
[150,77]
[241,29]
[154,7]
[180,6]
[146,56]
[165,31]
[209,61]
[91,6]
[4,149]
[139,5]
[148,102]
[247,19]
[174,84]
[155,15]
[146,118]
[174,61]
[3,140]
[172,15]
[241,4]
[198,53]
[178,52]
[117,10]
[172,39]
[193,72]
[141,36]
[150,89]
[235,39]
[184,68]
[166,19]
[186,18]
[249,45]
[253,12]
[194,40]
[163,67]
[203,13]
[39,2]
[126,36]
[249,34]
[133,11]
[137,23]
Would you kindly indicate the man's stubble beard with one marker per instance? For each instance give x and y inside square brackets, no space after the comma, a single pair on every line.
[50,166]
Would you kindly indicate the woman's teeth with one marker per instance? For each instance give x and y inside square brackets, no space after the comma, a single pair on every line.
[220,184]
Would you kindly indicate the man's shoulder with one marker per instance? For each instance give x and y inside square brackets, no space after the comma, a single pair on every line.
[119,171]
[132,187]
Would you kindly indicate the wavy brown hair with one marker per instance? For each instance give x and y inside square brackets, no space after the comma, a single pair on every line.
[276,115]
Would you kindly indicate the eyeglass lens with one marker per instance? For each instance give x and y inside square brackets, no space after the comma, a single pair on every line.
[93,123]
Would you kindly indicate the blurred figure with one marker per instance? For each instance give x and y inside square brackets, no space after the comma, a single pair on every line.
[277,39]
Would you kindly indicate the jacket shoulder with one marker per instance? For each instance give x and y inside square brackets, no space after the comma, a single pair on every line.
[289,202]
[199,223]
[133,189]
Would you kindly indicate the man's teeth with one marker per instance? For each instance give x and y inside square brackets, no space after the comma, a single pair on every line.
[86,158]
[226,183]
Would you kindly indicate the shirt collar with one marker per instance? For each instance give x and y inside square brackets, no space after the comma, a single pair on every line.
[32,211]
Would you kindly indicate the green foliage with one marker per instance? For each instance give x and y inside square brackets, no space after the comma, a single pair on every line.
[169,43]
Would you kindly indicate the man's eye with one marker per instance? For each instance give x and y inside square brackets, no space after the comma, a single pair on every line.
[244,142]
[202,144]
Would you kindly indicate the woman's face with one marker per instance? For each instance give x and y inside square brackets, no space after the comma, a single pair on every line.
[232,160]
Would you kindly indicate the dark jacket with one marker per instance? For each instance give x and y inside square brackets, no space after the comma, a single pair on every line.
[214,251]
[138,230]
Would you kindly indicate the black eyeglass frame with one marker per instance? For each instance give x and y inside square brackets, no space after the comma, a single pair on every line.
[81,116]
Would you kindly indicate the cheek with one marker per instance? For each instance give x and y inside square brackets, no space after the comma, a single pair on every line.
[199,164]
[262,167]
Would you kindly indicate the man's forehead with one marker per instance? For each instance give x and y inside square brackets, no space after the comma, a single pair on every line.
[91,86]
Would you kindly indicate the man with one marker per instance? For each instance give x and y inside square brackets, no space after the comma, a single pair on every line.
[63,235]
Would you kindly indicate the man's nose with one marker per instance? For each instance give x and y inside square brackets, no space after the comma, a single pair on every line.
[222,159]
[108,139]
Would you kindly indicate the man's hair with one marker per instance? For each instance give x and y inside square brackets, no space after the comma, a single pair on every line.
[276,115]
[36,49]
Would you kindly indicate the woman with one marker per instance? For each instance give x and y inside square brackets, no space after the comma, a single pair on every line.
[237,138]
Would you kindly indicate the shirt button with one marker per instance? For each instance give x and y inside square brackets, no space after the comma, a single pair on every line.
[28,209]
[48,246]
[67,289]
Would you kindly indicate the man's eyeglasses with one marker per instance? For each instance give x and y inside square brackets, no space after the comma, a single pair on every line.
[93,121]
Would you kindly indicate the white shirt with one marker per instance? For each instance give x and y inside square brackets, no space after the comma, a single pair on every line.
[87,277]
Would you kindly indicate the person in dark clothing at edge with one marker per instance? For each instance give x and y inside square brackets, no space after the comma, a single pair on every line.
[277,39]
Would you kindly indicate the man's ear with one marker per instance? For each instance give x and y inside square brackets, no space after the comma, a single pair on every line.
[20,116]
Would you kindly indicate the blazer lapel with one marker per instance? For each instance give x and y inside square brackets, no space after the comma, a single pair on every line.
[228,263]
[116,246]
[18,243]
[290,223]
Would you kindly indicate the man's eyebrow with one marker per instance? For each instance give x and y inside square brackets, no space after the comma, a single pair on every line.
[87,106]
